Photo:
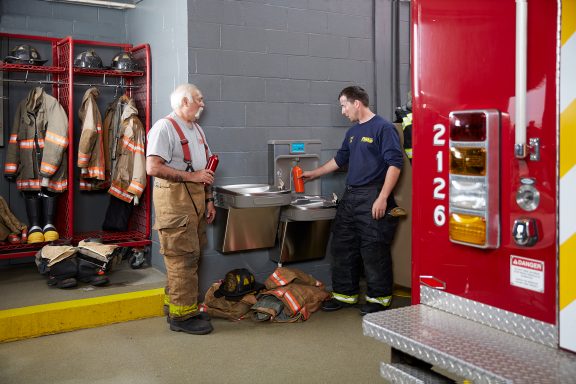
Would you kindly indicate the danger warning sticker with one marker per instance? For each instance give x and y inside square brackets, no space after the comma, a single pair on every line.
[527,273]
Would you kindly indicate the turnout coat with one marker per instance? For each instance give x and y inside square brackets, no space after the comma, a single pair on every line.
[126,138]
[93,155]
[37,149]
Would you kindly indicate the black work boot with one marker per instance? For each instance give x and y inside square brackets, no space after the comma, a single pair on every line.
[200,315]
[335,305]
[194,325]
[372,307]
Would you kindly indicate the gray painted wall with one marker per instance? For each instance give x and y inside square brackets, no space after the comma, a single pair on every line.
[269,69]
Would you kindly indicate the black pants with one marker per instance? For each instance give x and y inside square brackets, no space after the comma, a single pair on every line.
[359,240]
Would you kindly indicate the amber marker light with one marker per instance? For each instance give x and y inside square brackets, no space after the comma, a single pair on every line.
[467,229]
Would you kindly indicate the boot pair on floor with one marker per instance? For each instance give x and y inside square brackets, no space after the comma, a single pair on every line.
[41,209]
[199,324]
[335,305]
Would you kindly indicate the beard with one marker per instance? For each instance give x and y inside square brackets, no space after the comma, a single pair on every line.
[198,113]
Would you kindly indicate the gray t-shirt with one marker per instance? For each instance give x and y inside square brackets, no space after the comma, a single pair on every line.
[163,141]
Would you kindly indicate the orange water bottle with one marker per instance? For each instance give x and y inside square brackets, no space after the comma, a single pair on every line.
[297,178]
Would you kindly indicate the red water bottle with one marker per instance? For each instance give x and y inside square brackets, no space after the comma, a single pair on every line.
[297,178]
[212,163]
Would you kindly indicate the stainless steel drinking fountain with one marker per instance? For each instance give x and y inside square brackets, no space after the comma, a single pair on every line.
[247,216]
[304,227]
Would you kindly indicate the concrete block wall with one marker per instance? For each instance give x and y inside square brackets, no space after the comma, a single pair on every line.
[36,17]
[404,81]
[273,69]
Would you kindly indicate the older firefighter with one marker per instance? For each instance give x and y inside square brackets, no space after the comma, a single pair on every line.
[365,221]
[177,155]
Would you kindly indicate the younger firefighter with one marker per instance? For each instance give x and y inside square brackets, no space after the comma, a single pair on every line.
[364,225]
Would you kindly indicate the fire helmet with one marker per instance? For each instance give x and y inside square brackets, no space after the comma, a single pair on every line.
[88,59]
[237,283]
[125,62]
[24,54]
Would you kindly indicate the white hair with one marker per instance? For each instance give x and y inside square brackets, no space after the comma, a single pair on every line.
[182,91]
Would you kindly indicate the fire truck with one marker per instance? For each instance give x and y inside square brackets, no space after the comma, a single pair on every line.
[494,196]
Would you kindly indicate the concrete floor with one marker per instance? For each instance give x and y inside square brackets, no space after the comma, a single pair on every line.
[328,348]
[22,285]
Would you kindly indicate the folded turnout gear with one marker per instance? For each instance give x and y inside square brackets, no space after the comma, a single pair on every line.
[105,256]
[66,265]
[63,273]
[53,254]
[59,263]
[300,293]
[269,307]
[91,273]
[224,308]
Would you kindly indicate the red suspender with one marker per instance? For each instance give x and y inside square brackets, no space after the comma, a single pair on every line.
[184,142]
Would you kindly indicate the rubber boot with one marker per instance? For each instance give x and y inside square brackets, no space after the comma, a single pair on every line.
[34,212]
[49,207]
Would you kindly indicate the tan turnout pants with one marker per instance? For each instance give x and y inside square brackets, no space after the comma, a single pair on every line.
[181,225]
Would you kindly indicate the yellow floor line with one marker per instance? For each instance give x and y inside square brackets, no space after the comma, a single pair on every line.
[46,319]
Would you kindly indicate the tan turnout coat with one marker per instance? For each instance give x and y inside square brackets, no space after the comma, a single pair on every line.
[37,149]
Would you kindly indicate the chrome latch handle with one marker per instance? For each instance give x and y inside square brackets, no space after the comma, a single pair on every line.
[525,232]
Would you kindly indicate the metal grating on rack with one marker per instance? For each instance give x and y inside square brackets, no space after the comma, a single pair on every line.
[141,95]
[64,95]
[29,68]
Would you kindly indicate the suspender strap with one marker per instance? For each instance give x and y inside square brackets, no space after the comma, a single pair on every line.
[183,142]
[204,140]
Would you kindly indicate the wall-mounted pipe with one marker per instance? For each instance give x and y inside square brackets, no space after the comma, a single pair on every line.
[520,100]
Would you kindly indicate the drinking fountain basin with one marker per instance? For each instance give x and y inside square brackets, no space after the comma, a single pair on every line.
[250,196]
[247,216]
[307,208]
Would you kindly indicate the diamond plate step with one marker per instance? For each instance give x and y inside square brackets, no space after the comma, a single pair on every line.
[406,374]
[468,349]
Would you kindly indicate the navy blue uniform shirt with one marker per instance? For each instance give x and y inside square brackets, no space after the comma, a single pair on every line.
[369,149]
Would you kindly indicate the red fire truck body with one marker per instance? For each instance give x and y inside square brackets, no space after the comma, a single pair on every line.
[493,244]
[464,60]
